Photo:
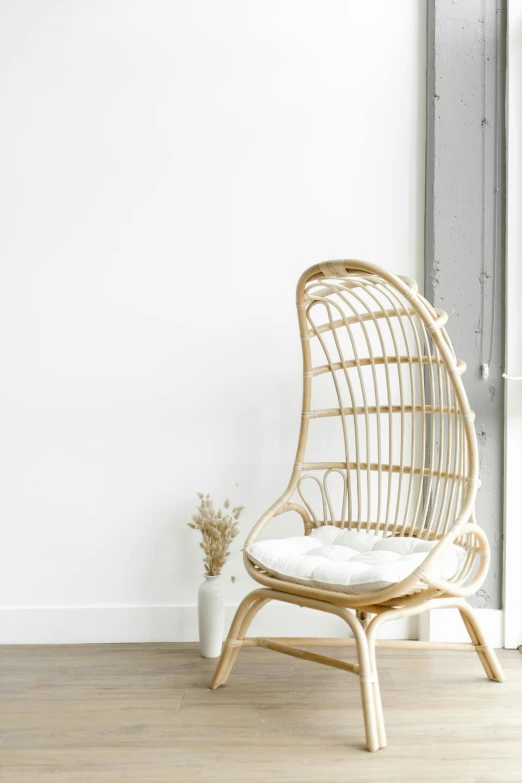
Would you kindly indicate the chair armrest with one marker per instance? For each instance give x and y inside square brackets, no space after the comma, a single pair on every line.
[477,547]
[280,507]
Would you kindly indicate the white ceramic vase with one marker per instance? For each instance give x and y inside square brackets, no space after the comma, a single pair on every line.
[211,617]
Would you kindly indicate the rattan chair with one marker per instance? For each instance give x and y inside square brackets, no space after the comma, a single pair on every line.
[395,472]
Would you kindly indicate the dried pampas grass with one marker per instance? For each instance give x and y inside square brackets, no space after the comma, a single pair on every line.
[218,529]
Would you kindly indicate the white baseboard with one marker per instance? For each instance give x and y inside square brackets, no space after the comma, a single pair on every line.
[91,624]
[445,625]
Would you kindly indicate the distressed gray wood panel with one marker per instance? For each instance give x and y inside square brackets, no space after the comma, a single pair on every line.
[456,134]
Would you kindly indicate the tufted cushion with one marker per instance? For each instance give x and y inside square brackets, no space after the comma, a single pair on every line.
[348,561]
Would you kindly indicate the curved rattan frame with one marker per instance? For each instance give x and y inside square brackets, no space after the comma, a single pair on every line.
[447,517]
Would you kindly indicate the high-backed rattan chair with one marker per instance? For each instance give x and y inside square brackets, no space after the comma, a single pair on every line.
[391,531]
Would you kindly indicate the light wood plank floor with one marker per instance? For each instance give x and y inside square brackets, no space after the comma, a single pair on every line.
[143,712]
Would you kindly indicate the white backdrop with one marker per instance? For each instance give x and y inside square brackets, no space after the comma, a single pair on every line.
[169,169]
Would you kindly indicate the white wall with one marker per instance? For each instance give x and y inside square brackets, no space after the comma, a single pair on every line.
[169,169]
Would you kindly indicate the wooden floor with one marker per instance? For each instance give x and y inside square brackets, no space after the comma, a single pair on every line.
[144,713]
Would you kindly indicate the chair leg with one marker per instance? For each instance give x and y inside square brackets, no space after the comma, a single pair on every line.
[364,628]
[246,611]
[370,694]
[371,636]
[376,692]
[487,655]
[255,607]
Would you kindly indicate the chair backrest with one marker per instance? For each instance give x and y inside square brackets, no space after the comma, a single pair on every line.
[387,441]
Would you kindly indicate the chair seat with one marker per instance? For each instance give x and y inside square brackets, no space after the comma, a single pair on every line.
[350,562]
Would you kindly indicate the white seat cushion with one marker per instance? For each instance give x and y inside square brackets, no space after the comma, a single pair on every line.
[348,561]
